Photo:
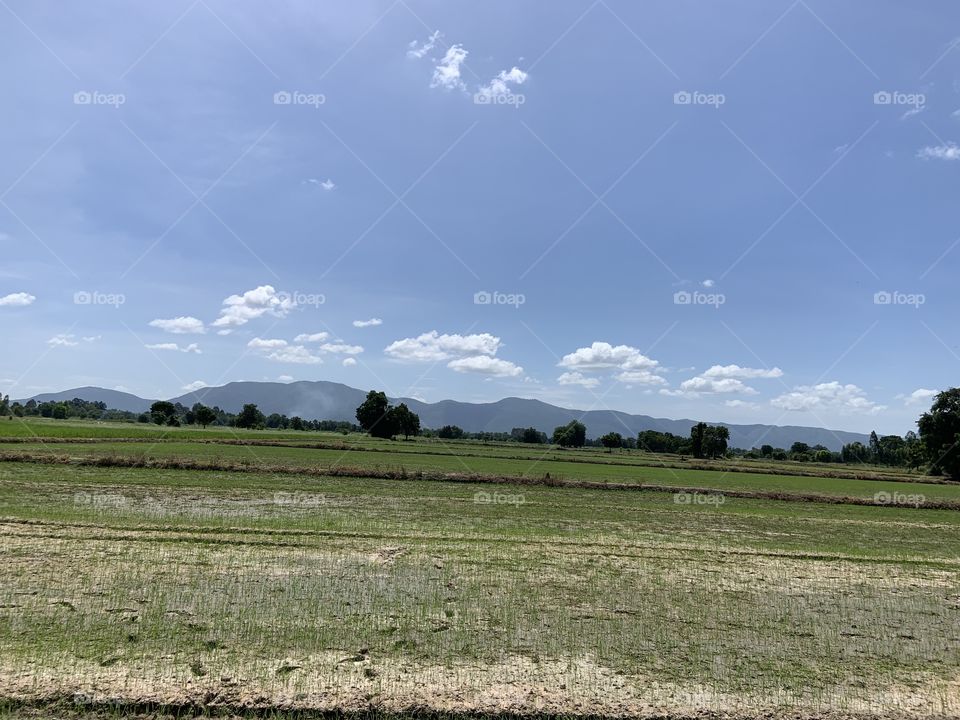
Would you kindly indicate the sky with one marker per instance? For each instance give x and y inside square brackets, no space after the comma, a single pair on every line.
[740,212]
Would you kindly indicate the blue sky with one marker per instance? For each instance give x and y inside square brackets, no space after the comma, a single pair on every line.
[742,212]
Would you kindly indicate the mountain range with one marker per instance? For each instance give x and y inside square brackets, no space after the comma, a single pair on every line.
[322,400]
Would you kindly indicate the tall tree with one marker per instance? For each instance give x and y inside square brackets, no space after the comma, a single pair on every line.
[940,433]
[203,415]
[250,417]
[696,439]
[162,412]
[405,420]
[612,440]
[573,434]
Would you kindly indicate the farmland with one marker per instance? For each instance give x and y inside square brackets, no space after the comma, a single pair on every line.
[149,571]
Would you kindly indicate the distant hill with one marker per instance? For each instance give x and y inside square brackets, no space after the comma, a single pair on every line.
[322,400]
[114,399]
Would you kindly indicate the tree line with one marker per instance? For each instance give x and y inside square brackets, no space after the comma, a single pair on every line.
[936,446]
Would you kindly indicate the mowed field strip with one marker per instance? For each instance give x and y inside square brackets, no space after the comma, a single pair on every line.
[276,592]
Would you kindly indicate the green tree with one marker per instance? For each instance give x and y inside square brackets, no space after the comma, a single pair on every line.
[573,434]
[940,433]
[375,417]
[532,435]
[405,420]
[250,417]
[162,411]
[766,450]
[450,432]
[697,433]
[203,415]
[612,440]
[715,439]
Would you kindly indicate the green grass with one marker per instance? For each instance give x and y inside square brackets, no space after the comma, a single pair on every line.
[307,591]
[531,466]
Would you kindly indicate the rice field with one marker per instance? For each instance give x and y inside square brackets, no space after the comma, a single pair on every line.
[157,592]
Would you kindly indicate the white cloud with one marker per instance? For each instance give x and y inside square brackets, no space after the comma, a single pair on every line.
[485,365]
[20,299]
[240,309]
[349,362]
[340,348]
[433,347]
[640,377]
[602,355]
[576,378]
[708,283]
[195,385]
[921,395]
[327,184]
[723,380]
[62,340]
[739,404]
[446,74]
[913,111]
[266,344]
[698,385]
[415,50]
[372,322]
[285,378]
[947,151]
[180,325]
[746,373]
[282,351]
[500,85]
[192,347]
[827,396]
[313,337]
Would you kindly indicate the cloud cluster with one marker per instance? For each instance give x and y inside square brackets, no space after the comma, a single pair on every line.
[372,322]
[19,299]
[465,353]
[500,85]
[947,151]
[920,396]
[723,380]
[447,72]
[827,396]
[240,309]
[416,50]
[635,367]
[185,325]
[69,340]
[192,347]
[280,350]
